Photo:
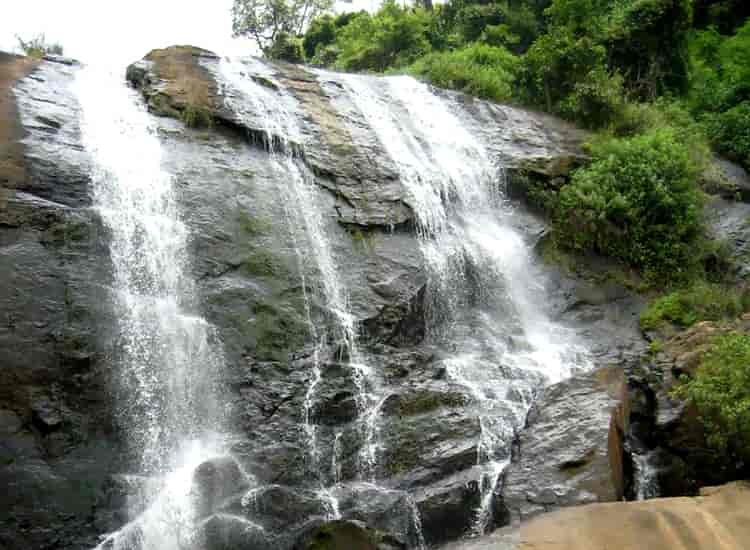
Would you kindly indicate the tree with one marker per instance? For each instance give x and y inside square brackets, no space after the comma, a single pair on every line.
[392,37]
[268,21]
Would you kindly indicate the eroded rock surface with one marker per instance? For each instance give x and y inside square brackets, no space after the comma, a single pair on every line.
[58,447]
[61,453]
[716,519]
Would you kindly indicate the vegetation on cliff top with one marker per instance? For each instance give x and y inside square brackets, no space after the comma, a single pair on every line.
[661,81]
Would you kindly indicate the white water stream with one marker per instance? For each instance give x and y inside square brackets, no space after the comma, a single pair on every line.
[168,366]
[297,189]
[484,296]
[484,292]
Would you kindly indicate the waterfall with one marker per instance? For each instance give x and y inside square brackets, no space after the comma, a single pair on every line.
[297,189]
[168,363]
[484,291]
[645,478]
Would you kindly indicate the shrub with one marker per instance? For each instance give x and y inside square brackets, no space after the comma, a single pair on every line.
[194,116]
[567,75]
[595,100]
[286,47]
[720,390]
[698,302]
[392,37]
[636,201]
[38,46]
[320,33]
[730,132]
[721,89]
[480,70]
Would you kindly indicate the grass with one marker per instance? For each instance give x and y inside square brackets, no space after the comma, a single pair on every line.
[37,46]
[194,116]
[700,301]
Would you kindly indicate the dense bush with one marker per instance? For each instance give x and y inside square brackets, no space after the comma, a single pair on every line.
[393,37]
[698,302]
[567,75]
[720,389]
[322,33]
[648,45]
[720,94]
[729,131]
[481,70]
[286,47]
[637,201]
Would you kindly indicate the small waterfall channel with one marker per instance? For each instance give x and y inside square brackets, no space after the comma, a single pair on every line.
[646,478]
[297,189]
[484,292]
[169,363]
[282,140]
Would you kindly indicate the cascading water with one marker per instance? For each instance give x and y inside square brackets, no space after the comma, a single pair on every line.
[168,365]
[482,306]
[282,140]
[646,479]
[281,136]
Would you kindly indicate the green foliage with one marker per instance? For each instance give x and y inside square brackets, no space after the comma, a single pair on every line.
[265,21]
[194,116]
[729,131]
[720,94]
[320,33]
[37,46]
[648,41]
[286,47]
[655,346]
[700,301]
[720,389]
[637,201]
[726,15]
[321,36]
[567,75]
[391,38]
[481,70]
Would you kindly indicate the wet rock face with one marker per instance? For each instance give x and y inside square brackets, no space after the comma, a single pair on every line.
[58,446]
[561,457]
[60,456]
[345,535]
[362,177]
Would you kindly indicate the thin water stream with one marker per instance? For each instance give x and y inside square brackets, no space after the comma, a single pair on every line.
[169,365]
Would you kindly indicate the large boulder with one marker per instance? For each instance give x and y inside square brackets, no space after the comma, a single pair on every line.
[347,535]
[561,458]
[716,519]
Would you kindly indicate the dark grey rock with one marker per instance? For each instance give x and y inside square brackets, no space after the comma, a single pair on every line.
[561,457]
[214,481]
